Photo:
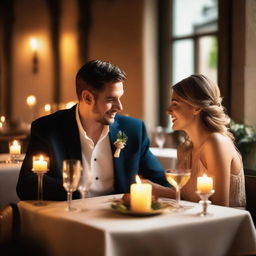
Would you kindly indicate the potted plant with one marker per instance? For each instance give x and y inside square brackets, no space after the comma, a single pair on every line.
[245,140]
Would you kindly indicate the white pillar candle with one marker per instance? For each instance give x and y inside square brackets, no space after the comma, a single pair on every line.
[141,195]
[204,184]
[39,164]
[15,148]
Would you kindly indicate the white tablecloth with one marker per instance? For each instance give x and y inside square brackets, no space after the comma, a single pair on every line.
[9,174]
[166,156]
[98,230]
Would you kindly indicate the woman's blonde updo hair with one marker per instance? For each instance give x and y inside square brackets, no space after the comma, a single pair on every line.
[201,92]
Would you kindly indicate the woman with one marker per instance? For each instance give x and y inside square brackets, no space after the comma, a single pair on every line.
[196,109]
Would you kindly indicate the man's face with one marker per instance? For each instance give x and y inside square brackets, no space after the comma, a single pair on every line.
[107,103]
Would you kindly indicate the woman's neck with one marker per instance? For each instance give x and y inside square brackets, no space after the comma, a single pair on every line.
[198,134]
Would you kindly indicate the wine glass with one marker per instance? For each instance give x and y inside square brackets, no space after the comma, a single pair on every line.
[71,169]
[178,178]
[159,137]
[85,182]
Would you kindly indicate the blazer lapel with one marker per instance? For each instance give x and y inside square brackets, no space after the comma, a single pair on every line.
[120,182]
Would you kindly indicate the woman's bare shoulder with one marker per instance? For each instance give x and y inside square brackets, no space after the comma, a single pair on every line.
[219,144]
[218,139]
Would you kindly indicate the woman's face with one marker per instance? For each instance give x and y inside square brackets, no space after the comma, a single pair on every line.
[182,113]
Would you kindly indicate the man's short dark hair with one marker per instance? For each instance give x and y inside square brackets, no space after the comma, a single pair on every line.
[95,74]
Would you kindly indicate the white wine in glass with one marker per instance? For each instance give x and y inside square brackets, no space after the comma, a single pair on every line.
[71,171]
[178,178]
[85,182]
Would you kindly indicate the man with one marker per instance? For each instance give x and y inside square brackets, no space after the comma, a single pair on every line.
[88,131]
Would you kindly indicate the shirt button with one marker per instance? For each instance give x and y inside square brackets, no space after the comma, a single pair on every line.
[96,178]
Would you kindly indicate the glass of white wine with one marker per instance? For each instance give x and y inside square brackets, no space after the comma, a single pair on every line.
[71,171]
[178,178]
[85,182]
[159,137]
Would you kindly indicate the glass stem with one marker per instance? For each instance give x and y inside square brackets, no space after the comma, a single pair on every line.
[178,196]
[40,186]
[69,200]
[84,194]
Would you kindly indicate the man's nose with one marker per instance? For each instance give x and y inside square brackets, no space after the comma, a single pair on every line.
[119,105]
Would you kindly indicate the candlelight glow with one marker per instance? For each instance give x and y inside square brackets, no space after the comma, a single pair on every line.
[138,181]
[70,104]
[2,119]
[34,43]
[141,195]
[204,184]
[31,100]
[15,143]
[47,107]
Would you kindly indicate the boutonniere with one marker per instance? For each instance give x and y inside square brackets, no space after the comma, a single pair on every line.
[120,142]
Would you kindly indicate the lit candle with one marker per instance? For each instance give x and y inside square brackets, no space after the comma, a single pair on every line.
[15,148]
[2,119]
[204,184]
[39,164]
[141,195]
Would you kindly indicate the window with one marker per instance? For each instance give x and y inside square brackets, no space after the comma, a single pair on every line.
[194,36]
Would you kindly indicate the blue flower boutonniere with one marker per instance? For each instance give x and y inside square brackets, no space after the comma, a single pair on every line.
[120,142]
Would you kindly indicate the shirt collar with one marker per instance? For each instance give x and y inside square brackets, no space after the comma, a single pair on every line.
[104,132]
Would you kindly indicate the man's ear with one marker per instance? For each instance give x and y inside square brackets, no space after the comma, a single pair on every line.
[87,97]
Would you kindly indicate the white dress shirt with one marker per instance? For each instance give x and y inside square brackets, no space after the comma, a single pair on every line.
[98,159]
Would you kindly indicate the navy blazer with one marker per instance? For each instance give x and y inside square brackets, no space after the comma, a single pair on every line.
[57,136]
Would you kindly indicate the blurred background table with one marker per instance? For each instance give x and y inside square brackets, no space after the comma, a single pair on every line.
[98,230]
[166,156]
[9,173]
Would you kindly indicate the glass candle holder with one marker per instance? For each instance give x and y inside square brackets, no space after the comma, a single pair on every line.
[14,150]
[40,167]
[204,200]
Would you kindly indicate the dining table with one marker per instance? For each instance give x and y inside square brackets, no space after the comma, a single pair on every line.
[166,156]
[9,173]
[95,228]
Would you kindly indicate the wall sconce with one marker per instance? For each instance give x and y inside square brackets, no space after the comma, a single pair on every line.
[34,46]
[31,101]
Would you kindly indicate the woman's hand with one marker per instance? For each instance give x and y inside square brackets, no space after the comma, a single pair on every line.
[159,190]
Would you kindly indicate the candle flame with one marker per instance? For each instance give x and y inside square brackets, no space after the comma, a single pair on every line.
[138,181]
[41,158]
[15,143]
[2,119]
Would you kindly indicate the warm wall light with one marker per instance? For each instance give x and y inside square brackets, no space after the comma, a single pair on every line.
[47,107]
[34,43]
[31,101]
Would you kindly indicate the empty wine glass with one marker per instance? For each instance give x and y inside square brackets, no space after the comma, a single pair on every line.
[178,178]
[71,169]
[159,137]
[85,182]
